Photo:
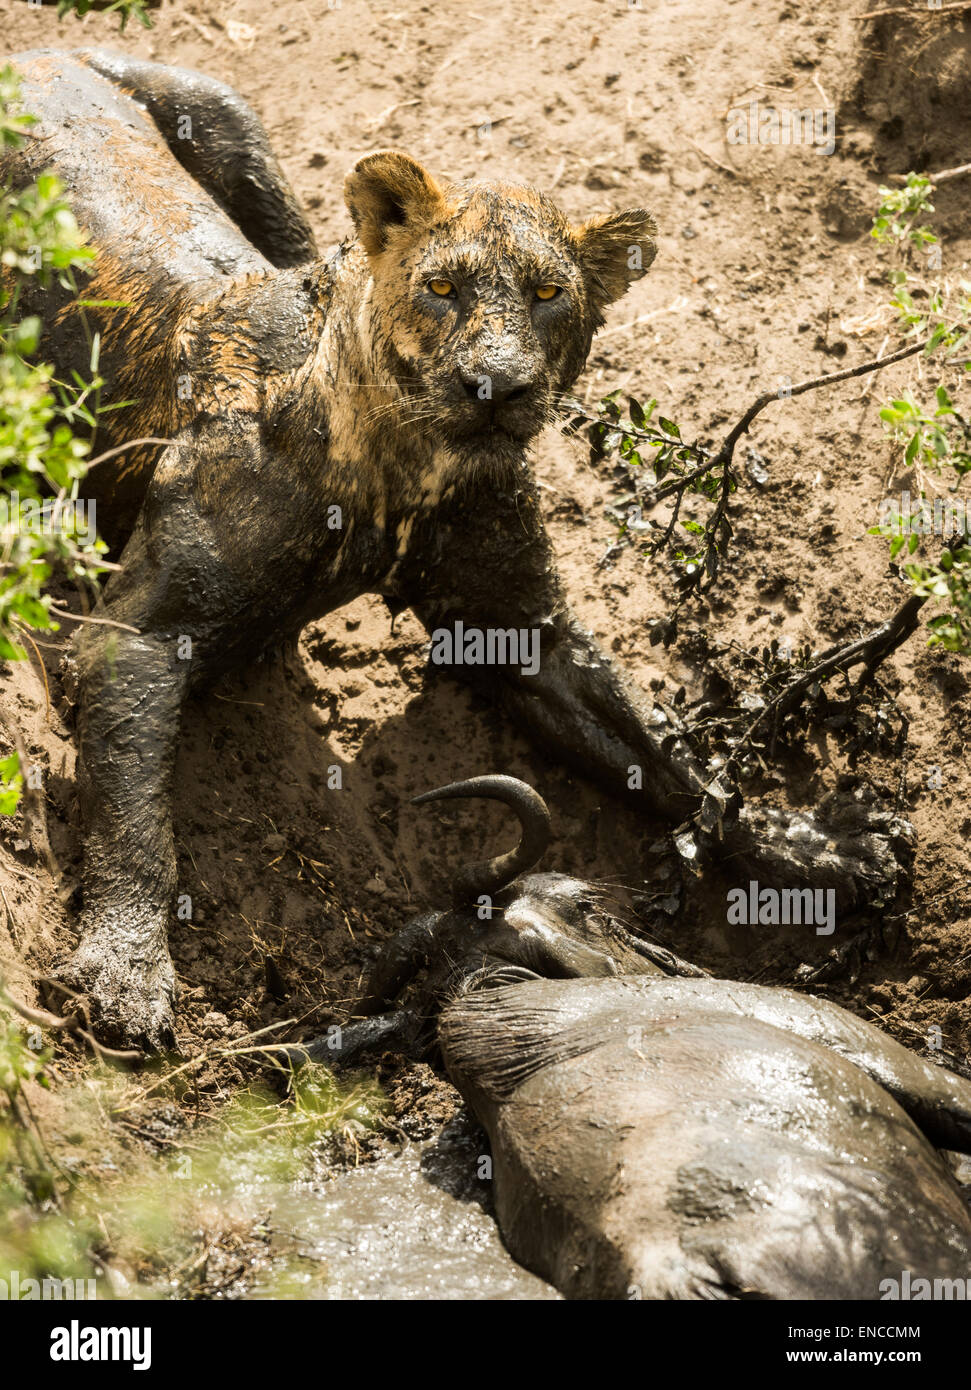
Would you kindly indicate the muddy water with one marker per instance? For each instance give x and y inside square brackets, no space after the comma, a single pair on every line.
[412,1226]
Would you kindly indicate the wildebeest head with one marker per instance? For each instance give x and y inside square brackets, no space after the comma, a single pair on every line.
[485,296]
[509,923]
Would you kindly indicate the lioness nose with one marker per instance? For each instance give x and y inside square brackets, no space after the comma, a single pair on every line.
[498,388]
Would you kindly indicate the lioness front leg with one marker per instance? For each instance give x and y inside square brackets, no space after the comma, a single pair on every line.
[496,571]
[208,574]
[131,692]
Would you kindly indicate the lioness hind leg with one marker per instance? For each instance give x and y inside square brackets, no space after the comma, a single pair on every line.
[221,142]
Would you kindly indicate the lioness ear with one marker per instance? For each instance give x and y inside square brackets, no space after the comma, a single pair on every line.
[389,189]
[615,250]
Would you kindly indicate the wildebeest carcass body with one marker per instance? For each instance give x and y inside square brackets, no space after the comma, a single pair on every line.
[657,1133]
[684,1138]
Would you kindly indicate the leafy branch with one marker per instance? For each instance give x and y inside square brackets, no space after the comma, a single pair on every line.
[936,442]
[47,426]
[125,9]
[936,438]
[696,469]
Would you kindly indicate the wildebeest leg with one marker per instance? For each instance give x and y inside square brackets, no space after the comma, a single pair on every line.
[398,962]
[220,140]
[398,1031]
[666,961]
[496,570]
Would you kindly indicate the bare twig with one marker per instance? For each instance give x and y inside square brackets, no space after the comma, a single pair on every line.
[375,124]
[87,618]
[944,176]
[69,1023]
[43,669]
[11,920]
[952,5]
[676,305]
[829,379]
[121,448]
[725,168]
[947,174]
[869,650]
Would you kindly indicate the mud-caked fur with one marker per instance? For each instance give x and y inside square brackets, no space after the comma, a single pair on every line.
[340,425]
[322,412]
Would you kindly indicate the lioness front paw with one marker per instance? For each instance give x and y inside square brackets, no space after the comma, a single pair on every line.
[131,1000]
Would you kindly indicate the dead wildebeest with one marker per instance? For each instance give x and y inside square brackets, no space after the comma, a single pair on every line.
[503,919]
[664,1137]
[300,430]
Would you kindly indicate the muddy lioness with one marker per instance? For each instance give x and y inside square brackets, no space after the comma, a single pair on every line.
[340,425]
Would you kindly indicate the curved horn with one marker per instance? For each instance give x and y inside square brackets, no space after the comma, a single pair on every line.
[489,875]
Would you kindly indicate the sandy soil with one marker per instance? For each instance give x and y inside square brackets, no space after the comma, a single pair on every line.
[765,272]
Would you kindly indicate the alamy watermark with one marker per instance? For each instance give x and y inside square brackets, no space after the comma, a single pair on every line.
[773,907]
[74,517]
[491,646]
[916,1289]
[757,124]
[77,1343]
[13,1289]
[948,517]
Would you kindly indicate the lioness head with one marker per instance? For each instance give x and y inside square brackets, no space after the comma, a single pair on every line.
[485,297]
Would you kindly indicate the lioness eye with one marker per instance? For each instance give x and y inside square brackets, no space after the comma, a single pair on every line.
[445,288]
[547,291]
